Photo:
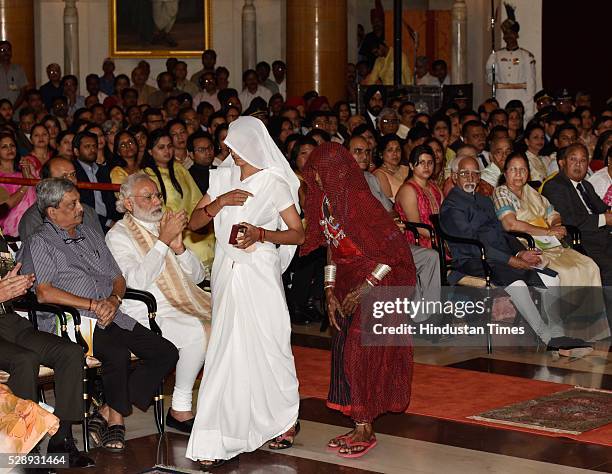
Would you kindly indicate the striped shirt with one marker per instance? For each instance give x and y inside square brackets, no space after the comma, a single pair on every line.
[81,265]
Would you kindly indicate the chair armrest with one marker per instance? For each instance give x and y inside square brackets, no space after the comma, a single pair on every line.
[414,228]
[524,235]
[31,305]
[435,219]
[149,300]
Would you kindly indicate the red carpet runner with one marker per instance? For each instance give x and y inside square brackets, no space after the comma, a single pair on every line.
[448,393]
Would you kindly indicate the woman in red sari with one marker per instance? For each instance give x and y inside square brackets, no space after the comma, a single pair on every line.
[419,196]
[366,249]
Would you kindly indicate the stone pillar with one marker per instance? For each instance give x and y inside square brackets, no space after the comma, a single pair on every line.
[459,53]
[249,35]
[317,47]
[71,38]
[17,26]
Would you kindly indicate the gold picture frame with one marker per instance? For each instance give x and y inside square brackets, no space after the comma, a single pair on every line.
[137,34]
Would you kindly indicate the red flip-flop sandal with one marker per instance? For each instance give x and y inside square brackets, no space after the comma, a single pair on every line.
[368,445]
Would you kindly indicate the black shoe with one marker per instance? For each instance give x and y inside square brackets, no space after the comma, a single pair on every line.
[183,426]
[75,457]
[300,316]
[313,312]
[218,463]
[566,343]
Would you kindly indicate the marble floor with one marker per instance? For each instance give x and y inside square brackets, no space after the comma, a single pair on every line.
[406,443]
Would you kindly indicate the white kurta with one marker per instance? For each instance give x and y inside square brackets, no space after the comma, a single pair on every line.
[140,272]
[249,393]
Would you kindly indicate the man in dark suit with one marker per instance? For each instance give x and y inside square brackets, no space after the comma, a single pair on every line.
[85,148]
[375,100]
[579,205]
[468,214]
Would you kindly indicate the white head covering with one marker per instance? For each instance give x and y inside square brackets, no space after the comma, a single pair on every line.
[249,138]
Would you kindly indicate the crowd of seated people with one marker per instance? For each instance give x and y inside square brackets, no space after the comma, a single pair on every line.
[483,171]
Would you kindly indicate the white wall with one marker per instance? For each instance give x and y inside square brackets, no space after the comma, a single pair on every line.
[271,21]
[94,37]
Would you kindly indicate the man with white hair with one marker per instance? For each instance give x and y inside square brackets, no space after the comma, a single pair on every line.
[148,246]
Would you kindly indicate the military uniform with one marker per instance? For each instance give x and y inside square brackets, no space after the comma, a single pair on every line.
[515,77]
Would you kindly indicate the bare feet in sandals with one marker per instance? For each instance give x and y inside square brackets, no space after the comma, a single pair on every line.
[285,440]
[360,442]
[116,440]
[339,441]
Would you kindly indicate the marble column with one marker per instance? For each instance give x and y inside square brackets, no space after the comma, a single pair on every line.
[459,52]
[317,47]
[71,38]
[249,35]
[17,26]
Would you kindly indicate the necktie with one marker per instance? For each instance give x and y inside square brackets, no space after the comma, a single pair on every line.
[483,159]
[585,197]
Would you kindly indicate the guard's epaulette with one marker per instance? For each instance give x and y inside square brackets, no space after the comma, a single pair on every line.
[528,52]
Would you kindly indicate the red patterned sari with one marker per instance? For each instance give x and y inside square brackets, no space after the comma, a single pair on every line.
[366,381]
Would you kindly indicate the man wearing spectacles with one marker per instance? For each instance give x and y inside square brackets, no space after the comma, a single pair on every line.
[148,246]
[388,121]
[57,167]
[201,147]
[470,215]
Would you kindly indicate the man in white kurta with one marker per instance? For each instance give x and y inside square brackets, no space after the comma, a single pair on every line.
[145,270]
[515,73]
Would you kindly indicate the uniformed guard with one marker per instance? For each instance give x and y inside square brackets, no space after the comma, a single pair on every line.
[514,75]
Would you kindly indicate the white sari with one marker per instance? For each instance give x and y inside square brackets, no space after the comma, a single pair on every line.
[249,392]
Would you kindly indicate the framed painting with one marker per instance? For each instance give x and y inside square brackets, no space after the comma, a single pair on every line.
[159,28]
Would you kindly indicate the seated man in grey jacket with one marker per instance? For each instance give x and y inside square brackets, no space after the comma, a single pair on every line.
[425,260]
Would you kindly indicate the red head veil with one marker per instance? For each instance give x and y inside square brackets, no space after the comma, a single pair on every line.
[361,215]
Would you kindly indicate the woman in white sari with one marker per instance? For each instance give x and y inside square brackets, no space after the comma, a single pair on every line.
[249,393]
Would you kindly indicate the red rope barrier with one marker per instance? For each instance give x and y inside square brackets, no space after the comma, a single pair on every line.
[82,185]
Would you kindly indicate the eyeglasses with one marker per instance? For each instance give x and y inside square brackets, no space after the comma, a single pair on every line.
[127,144]
[149,197]
[469,174]
[362,151]
[519,171]
[69,175]
[390,121]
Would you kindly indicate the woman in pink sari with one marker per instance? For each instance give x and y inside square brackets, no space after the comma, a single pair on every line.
[419,196]
[20,197]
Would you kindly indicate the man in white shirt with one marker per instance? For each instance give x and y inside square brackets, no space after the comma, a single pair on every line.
[474,133]
[439,70]
[279,71]
[148,246]
[252,89]
[423,78]
[501,147]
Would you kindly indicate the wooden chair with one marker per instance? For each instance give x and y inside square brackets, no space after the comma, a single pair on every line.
[32,307]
